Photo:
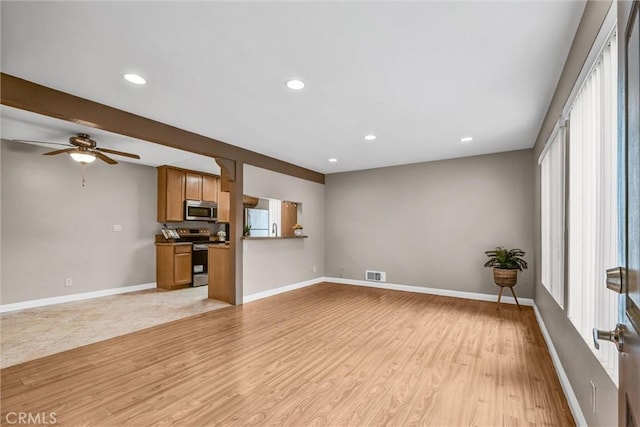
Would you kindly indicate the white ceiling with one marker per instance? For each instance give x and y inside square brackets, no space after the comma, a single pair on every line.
[419,75]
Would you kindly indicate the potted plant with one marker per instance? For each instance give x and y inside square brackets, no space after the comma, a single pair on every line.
[506,264]
[297,229]
[221,235]
[247,230]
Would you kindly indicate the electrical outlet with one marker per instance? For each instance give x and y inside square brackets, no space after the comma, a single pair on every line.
[117,227]
[593,396]
[68,282]
[315,268]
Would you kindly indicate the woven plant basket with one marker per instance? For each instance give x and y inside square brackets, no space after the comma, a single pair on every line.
[505,277]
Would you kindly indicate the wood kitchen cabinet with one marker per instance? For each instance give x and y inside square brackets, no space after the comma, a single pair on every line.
[171,189]
[224,206]
[173,265]
[220,283]
[193,186]
[249,201]
[201,187]
[224,199]
[210,186]
[176,185]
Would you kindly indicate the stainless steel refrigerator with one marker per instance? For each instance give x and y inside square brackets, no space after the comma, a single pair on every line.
[258,220]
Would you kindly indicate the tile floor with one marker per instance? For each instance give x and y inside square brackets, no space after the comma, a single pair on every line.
[37,332]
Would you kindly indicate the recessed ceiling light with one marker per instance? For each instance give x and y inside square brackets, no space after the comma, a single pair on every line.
[295,84]
[135,79]
[466,139]
[370,137]
[333,160]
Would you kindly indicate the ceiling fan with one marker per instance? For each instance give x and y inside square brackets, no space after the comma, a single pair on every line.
[84,150]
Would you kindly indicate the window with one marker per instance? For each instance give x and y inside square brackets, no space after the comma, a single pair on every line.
[592,209]
[552,214]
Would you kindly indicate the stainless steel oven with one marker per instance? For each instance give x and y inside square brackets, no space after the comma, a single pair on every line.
[200,258]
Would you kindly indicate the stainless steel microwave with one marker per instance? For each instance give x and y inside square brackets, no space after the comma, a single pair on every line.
[196,210]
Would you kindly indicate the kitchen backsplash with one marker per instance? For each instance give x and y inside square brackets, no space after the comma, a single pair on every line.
[197,224]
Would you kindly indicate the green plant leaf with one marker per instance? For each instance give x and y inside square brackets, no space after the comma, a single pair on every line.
[503,258]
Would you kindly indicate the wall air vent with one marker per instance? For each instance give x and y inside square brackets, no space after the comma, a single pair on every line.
[375,276]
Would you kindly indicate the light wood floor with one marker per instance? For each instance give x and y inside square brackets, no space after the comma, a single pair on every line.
[324,355]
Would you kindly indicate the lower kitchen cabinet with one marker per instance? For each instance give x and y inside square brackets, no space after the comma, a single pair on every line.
[220,284]
[173,265]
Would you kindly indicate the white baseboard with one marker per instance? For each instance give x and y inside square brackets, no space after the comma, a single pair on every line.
[74,297]
[392,286]
[572,400]
[281,289]
[432,291]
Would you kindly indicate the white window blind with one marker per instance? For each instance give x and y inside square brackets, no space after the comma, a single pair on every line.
[552,217]
[593,204]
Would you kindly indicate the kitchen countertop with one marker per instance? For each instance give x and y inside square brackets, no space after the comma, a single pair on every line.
[226,244]
[219,246]
[272,238]
[173,243]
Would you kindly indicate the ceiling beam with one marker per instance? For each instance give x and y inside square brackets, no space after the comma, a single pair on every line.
[29,96]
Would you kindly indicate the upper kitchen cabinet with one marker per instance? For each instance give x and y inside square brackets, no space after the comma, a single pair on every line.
[176,185]
[224,206]
[171,194]
[210,186]
[201,187]
[224,198]
[249,201]
[193,186]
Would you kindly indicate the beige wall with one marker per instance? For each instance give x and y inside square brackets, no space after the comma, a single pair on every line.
[577,359]
[53,228]
[428,224]
[269,264]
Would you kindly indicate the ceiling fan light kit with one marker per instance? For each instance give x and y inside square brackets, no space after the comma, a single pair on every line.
[82,156]
[84,151]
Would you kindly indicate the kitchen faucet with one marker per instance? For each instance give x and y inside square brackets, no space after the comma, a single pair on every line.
[274,229]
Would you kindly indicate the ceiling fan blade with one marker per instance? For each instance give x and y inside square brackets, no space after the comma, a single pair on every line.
[41,142]
[119,153]
[53,153]
[104,158]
